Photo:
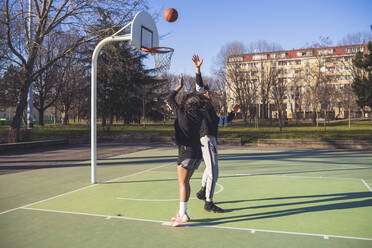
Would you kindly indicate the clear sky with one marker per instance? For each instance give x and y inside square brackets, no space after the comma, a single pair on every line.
[204,26]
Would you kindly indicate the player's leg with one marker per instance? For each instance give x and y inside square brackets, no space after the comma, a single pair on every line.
[211,161]
[185,170]
[204,147]
[184,176]
[213,169]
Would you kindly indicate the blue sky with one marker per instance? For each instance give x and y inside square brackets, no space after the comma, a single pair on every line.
[204,26]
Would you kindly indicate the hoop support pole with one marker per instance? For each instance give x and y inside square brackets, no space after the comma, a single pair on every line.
[93,122]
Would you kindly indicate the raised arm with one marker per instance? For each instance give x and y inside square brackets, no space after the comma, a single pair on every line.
[172,96]
[199,81]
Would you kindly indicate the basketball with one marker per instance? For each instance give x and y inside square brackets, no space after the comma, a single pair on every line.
[170,15]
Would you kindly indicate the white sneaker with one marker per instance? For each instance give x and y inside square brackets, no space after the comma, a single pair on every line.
[179,220]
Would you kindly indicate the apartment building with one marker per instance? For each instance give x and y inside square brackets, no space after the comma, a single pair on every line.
[314,80]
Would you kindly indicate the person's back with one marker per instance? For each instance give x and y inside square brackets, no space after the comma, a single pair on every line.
[189,118]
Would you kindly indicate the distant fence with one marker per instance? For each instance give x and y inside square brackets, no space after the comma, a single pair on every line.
[8,122]
[21,146]
[317,144]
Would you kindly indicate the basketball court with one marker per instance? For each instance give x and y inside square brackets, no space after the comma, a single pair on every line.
[271,198]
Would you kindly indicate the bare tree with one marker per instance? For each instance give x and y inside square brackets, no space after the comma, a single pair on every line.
[25,42]
[265,80]
[278,93]
[323,41]
[72,76]
[298,91]
[244,87]
[229,49]
[312,77]
[46,86]
[356,38]
[261,46]
[348,101]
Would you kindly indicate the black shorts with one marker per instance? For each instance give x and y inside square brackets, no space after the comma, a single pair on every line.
[189,157]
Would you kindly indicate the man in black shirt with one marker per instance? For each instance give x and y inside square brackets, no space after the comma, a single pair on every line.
[189,115]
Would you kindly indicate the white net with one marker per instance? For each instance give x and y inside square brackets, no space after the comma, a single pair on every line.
[162,57]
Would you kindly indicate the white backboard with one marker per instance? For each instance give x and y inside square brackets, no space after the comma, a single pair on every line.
[144,32]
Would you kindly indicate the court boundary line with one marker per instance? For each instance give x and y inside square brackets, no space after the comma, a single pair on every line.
[82,188]
[252,230]
[309,177]
[366,184]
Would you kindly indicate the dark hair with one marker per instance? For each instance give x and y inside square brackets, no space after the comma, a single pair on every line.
[182,98]
[206,87]
[195,104]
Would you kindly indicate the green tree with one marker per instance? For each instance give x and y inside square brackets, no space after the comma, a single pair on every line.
[362,83]
[125,89]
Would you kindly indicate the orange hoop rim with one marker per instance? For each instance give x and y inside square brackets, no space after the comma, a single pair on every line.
[158,50]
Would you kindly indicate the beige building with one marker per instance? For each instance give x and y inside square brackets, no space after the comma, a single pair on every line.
[312,80]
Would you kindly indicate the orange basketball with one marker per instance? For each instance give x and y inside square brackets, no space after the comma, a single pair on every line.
[170,15]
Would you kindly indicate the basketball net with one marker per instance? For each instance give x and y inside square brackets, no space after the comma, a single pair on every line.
[162,57]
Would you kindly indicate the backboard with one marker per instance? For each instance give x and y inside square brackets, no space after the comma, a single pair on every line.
[144,32]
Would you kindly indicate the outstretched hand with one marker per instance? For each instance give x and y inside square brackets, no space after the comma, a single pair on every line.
[197,61]
[180,82]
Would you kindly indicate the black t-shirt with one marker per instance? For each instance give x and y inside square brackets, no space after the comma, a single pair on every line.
[186,129]
[210,123]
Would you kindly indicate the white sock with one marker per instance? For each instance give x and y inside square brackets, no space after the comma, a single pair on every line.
[183,207]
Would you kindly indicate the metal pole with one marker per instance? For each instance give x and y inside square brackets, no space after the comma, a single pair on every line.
[30,106]
[93,122]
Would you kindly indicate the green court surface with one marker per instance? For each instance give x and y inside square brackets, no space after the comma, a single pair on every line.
[271,198]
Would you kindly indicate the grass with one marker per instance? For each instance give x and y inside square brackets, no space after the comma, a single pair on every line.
[360,130]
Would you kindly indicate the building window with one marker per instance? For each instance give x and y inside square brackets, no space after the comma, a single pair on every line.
[259,56]
[304,53]
[236,59]
[347,59]
[354,49]
[278,55]
[282,63]
[326,51]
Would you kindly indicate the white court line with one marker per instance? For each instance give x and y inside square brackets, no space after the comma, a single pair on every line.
[320,177]
[366,184]
[108,217]
[165,200]
[148,200]
[86,187]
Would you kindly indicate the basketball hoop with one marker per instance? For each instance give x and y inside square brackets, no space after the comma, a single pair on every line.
[162,57]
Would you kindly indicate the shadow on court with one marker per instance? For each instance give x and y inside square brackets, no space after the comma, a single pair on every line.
[45,164]
[309,157]
[351,200]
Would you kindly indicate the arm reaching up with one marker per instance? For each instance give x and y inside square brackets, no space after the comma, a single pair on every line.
[199,81]
[172,96]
